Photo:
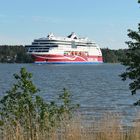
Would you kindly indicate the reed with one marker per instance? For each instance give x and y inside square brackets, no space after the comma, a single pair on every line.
[107,128]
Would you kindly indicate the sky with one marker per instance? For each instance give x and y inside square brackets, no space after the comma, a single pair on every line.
[104,21]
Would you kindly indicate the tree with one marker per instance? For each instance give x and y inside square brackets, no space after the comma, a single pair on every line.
[22,107]
[16,53]
[132,61]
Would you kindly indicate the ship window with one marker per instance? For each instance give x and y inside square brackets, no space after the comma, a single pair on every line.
[73,45]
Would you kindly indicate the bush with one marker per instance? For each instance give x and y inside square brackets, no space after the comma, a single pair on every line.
[22,108]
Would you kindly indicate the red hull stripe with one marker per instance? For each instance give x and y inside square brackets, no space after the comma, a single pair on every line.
[66,58]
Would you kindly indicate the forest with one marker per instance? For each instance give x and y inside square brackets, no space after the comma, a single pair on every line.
[17,54]
[14,54]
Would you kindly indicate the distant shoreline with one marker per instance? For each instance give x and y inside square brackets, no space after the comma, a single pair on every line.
[18,54]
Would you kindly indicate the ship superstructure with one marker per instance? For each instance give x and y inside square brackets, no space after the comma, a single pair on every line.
[70,49]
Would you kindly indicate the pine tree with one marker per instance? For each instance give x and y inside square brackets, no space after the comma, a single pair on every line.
[132,61]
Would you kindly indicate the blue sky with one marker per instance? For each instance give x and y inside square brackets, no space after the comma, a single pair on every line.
[104,21]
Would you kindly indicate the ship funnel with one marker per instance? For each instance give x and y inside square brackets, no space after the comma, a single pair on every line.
[73,36]
[50,35]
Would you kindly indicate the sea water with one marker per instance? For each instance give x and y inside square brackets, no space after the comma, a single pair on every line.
[97,88]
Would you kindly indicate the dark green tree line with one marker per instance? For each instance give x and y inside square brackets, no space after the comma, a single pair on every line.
[113,56]
[14,54]
[18,54]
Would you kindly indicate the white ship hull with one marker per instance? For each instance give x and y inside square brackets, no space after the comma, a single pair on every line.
[58,50]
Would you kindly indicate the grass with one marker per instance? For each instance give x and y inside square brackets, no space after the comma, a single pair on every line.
[108,128]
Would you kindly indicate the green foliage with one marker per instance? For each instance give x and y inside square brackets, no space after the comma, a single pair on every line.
[132,62]
[14,54]
[67,107]
[113,56]
[21,106]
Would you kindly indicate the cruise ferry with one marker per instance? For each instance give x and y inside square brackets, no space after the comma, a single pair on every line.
[64,50]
